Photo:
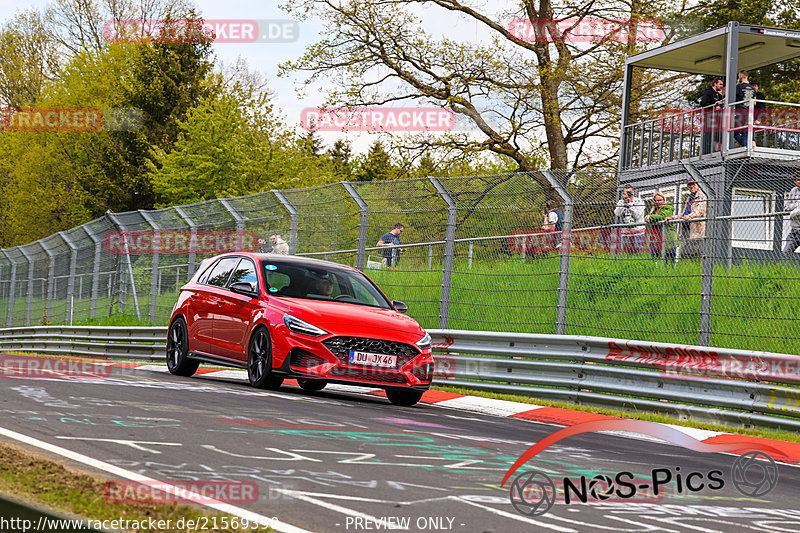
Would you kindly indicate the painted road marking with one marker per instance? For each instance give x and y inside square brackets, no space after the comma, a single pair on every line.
[217,505]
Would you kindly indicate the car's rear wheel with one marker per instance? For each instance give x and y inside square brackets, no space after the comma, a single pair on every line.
[259,361]
[403,397]
[178,361]
[311,384]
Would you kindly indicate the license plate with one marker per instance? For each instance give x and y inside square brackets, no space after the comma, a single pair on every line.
[373,359]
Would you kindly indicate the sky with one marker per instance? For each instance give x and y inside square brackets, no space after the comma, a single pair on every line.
[265,57]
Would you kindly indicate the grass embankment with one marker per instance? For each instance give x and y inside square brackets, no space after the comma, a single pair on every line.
[754,306]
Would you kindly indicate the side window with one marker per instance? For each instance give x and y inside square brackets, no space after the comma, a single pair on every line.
[245,272]
[221,272]
[204,276]
[276,280]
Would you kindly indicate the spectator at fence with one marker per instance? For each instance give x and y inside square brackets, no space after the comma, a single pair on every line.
[692,233]
[744,93]
[711,102]
[792,205]
[391,241]
[279,246]
[630,210]
[553,221]
[263,247]
[662,236]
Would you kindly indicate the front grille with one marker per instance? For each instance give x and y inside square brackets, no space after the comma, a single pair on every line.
[365,373]
[341,346]
[303,359]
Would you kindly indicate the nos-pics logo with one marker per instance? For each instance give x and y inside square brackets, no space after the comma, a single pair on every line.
[533,493]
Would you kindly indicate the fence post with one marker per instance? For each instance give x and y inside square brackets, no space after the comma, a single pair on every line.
[293,220]
[449,251]
[113,218]
[98,248]
[11,289]
[707,280]
[566,242]
[30,286]
[363,216]
[51,277]
[192,260]
[154,272]
[239,221]
[73,267]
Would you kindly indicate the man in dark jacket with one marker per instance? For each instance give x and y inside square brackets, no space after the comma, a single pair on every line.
[711,102]
[744,93]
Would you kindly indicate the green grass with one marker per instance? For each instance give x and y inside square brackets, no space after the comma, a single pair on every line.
[754,306]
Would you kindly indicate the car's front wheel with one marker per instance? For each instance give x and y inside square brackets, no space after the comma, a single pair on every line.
[259,361]
[311,384]
[178,361]
[406,398]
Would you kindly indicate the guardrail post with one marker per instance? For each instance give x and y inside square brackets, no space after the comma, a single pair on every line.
[98,248]
[51,277]
[294,220]
[30,286]
[449,251]
[154,273]
[363,217]
[113,218]
[192,260]
[73,267]
[11,289]
[708,256]
[564,252]
[239,221]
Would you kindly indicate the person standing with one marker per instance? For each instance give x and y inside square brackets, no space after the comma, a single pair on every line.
[279,246]
[629,211]
[391,241]
[744,93]
[664,235]
[711,103]
[692,233]
[553,221]
[792,205]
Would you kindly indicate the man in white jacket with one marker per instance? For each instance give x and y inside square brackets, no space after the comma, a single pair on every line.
[792,205]
[630,210]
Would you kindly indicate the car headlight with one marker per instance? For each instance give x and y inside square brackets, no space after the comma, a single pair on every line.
[425,342]
[296,325]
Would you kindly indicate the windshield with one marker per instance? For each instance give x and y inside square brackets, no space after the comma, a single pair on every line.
[320,283]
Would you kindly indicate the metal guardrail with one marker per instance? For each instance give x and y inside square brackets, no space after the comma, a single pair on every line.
[712,384]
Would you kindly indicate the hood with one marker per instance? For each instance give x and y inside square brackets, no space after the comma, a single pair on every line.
[329,315]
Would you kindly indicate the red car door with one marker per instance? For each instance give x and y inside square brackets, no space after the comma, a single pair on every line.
[236,313]
[205,303]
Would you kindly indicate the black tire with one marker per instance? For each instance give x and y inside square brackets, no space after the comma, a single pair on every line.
[405,398]
[178,361]
[259,361]
[311,384]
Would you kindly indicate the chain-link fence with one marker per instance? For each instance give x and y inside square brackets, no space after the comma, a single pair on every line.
[553,252]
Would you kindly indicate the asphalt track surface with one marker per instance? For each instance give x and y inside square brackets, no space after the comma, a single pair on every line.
[342,461]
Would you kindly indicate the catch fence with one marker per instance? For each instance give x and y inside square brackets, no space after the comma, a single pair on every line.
[475,255]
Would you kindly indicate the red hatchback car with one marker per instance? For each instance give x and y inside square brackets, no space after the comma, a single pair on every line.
[293,317]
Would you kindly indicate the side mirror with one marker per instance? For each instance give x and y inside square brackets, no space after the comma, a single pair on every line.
[399,306]
[242,287]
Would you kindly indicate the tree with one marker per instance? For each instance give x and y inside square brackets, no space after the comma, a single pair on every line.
[510,89]
[28,59]
[377,165]
[311,144]
[340,155]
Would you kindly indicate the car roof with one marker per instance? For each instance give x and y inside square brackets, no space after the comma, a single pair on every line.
[278,259]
